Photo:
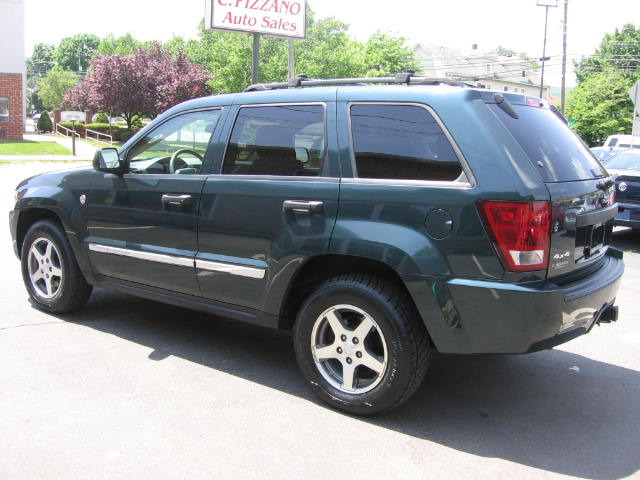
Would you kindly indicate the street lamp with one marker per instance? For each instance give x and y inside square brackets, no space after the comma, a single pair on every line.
[546,4]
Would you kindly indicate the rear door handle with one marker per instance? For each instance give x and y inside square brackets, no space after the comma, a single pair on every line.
[176,199]
[302,206]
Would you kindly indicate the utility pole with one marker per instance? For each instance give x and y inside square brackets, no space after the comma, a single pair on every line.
[564,57]
[255,71]
[292,60]
[546,4]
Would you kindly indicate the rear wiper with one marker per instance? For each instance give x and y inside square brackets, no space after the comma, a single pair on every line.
[504,104]
[558,113]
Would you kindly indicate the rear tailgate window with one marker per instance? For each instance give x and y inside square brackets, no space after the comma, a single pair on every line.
[556,151]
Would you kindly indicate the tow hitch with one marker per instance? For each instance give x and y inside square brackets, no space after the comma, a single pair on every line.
[608,315]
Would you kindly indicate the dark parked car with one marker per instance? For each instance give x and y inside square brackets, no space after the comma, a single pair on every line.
[379,223]
[625,168]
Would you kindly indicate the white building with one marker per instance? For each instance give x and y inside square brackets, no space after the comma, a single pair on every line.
[495,72]
[12,70]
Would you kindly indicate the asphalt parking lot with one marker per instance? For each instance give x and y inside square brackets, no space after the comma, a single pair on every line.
[129,388]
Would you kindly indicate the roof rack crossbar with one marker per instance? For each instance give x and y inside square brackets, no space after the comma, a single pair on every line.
[406,78]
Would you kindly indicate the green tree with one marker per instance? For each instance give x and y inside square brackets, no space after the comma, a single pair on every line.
[75,53]
[600,106]
[124,45]
[38,66]
[327,52]
[40,61]
[387,55]
[54,85]
[618,53]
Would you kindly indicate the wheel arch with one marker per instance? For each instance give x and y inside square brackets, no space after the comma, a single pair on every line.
[323,267]
[29,216]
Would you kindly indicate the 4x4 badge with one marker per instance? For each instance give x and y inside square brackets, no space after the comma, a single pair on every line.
[560,256]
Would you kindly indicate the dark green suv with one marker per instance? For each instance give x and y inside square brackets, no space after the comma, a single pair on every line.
[378,223]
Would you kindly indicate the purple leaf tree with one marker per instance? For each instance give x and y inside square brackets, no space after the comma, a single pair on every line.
[147,82]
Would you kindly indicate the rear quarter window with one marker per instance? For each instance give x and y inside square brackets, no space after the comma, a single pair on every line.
[401,142]
[546,139]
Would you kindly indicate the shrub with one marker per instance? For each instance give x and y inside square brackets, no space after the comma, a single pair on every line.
[101,117]
[136,122]
[127,134]
[44,123]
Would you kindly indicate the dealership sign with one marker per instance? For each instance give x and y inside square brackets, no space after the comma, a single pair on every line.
[282,18]
[72,116]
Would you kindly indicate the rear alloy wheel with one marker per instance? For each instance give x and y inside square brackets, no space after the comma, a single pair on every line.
[50,271]
[349,349]
[361,344]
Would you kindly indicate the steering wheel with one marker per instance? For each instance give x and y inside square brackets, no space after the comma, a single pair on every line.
[176,154]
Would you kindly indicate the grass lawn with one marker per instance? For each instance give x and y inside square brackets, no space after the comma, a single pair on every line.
[33,148]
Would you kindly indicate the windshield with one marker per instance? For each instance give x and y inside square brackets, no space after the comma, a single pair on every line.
[546,139]
[625,161]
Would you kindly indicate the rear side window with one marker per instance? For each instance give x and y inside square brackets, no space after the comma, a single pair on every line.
[402,142]
[546,139]
[287,140]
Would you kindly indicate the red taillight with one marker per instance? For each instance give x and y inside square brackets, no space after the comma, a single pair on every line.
[520,232]
[534,102]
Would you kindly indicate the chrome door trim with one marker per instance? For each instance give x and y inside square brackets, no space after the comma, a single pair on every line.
[140,255]
[233,269]
[456,184]
[241,271]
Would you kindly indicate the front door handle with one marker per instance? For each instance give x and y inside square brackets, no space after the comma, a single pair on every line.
[302,206]
[176,199]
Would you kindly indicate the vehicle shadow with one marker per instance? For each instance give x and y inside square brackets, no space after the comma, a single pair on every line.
[552,410]
[626,239]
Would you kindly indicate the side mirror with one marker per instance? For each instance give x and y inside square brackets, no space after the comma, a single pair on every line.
[302,154]
[107,160]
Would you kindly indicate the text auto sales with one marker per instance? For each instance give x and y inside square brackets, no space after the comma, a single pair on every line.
[281,7]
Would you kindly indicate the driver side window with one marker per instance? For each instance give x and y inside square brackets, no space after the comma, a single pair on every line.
[178,146]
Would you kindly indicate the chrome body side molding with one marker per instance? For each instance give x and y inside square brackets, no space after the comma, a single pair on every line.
[233,269]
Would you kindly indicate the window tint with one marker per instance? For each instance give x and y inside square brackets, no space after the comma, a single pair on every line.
[277,140]
[177,146]
[401,142]
[547,139]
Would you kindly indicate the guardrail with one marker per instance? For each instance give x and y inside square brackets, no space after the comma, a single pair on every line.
[67,132]
[98,134]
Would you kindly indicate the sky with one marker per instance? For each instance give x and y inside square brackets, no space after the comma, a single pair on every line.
[514,24]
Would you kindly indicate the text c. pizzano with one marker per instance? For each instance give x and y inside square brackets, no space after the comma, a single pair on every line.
[283,7]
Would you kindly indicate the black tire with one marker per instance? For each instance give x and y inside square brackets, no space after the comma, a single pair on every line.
[398,342]
[61,287]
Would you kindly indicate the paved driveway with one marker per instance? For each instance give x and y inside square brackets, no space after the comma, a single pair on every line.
[133,389]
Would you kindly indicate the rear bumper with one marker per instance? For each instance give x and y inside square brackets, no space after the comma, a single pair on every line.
[495,317]
[628,215]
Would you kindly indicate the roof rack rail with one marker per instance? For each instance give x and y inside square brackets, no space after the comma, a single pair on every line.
[407,78]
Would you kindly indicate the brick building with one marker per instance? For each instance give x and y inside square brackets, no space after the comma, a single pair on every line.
[12,70]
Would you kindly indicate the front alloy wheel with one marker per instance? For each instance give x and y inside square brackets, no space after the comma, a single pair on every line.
[45,268]
[50,270]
